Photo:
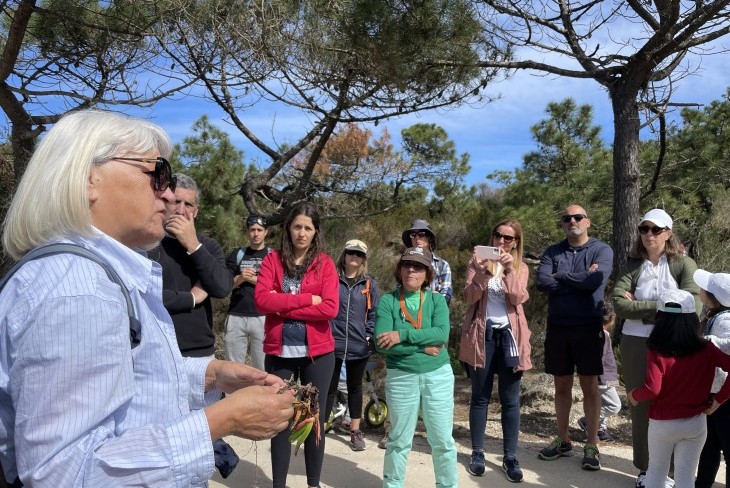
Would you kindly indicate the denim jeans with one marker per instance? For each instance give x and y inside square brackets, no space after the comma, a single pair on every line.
[433,393]
[482,382]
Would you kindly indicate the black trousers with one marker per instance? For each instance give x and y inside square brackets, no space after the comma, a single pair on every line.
[317,371]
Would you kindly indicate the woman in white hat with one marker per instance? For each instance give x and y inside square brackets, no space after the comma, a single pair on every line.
[715,296]
[655,264]
[353,329]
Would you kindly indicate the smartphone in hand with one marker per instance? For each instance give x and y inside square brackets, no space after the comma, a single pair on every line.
[487,252]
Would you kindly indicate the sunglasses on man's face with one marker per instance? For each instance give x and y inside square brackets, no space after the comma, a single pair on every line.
[499,235]
[645,229]
[577,217]
[420,234]
[162,178]
[355,253]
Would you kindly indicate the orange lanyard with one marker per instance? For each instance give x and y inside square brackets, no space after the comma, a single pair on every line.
[416,324]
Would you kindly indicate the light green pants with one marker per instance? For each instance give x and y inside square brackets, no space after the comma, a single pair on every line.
[433,393]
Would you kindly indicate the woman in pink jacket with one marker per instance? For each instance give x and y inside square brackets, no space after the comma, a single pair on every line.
[495,339]
[297,289]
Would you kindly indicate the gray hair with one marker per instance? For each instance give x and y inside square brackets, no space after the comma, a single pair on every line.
[186,182]
[51,200]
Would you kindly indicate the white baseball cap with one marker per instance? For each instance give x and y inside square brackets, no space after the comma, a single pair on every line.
[658,217]
[676,301]
[716,283]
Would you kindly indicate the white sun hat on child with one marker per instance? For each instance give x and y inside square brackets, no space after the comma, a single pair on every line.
[676,301]
[716,283]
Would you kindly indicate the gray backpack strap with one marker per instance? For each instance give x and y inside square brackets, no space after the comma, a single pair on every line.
[135,327]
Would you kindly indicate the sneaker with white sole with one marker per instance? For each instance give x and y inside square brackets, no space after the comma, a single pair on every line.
[511,468]
[557,448]
[591,457]
[477,464]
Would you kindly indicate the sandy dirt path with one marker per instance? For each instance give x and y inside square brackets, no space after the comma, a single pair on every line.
[344,468]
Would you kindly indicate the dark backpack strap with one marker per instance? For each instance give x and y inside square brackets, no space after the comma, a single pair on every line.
[135,327]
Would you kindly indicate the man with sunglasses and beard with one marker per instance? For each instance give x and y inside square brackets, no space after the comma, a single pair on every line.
[573,274]
[93,391]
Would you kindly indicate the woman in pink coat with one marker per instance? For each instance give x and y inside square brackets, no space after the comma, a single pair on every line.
[495,339]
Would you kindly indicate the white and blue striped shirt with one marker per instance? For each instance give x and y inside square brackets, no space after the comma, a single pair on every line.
[78,405]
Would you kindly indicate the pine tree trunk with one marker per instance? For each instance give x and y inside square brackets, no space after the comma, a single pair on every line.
[626,173]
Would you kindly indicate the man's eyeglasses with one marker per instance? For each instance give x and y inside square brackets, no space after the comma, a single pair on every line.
[256,220]
[577,217]
[499,235]
[645,229]
[420,234]
[162,178]
[351,252]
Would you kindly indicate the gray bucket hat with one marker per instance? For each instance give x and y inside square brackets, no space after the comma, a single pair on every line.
[417,225]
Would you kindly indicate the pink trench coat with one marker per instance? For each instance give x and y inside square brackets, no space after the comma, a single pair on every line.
[471,346]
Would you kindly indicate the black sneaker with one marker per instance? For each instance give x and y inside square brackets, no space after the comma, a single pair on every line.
[604,436]
[511,468]
[477,465]
[591,457]
[583,424]
[557,448]
[640,480]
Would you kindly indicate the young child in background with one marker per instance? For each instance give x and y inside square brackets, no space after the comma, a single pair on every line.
[608,381]
[680,370]
[715,296]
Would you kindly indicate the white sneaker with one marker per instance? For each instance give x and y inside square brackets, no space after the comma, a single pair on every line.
[669,483]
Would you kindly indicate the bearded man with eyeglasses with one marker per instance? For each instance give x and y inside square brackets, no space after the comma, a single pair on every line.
[421,235]
[193,270]
[573,274]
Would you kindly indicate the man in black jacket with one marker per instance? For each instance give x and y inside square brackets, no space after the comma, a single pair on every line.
[193,270]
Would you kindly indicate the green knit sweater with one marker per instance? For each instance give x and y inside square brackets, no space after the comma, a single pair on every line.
[409,354]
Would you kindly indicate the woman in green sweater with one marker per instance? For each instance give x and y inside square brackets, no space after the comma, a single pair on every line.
[411,327]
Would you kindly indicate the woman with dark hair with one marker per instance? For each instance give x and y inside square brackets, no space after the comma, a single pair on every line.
[495,339]
[680,371]
[353,330]
[297,290]
[411,327]
[655,264]
[715,296]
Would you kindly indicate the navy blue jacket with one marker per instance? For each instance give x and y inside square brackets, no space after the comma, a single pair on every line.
[354,324]
[575,295]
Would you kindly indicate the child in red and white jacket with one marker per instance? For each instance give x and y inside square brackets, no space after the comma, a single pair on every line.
[680,370]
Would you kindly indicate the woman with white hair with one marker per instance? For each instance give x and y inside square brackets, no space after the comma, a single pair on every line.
[83,401]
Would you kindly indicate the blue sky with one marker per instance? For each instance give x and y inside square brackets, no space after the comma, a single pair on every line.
[496,135]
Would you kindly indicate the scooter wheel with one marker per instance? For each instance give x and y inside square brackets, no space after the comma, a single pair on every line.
[375,414]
